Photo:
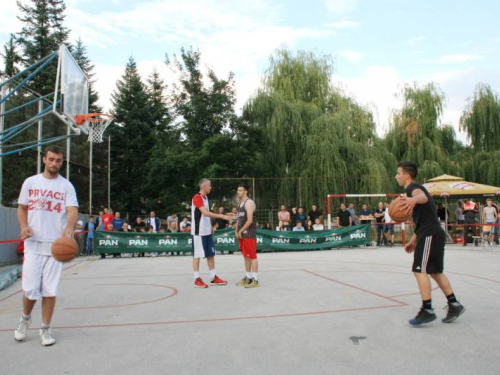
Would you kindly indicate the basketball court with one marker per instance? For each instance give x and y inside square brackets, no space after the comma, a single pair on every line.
[323,312]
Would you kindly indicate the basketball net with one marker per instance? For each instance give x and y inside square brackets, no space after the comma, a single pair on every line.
[97,124]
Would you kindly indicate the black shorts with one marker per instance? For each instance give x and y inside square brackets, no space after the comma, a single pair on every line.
[429,254]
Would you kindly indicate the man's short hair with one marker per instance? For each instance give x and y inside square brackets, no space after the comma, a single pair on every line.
[243,185]
[409,167]
[489,200]
[203,181]
[54,149]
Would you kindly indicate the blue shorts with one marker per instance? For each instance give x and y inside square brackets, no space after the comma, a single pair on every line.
[203,246]
[389,228]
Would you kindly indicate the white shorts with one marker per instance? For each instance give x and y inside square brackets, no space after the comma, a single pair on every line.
[41,275]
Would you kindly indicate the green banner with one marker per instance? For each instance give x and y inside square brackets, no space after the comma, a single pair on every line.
[132,242]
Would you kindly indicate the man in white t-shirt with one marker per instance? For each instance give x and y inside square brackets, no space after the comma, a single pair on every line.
[388,227]
[490,216]
[47,209]
[317,225]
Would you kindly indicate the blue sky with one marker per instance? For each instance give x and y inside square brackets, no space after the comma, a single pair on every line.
[377,46]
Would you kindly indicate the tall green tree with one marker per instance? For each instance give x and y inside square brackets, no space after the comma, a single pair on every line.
[481,119]
[133,136]
[12,58]
[311,130]
[207,138]
[416,133]
[42,33]
[203,110]
[160,111]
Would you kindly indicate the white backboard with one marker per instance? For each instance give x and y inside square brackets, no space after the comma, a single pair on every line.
[72,91]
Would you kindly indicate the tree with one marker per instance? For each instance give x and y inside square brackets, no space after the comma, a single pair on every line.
[133,136]
[12,58]
[481,119]
[312,131]
[416,135]
[160,111]
[207,139]
[203,110]
[42,33]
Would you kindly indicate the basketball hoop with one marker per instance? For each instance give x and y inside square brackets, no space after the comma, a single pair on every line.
[97,124]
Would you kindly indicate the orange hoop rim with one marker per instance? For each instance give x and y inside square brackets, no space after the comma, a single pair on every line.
[92,117]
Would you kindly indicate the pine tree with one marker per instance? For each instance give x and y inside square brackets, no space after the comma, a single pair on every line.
[160,112]
[133,137]
[12,58]
[42,33]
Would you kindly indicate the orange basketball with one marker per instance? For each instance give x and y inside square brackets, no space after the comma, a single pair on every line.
[64,249]
[396,211]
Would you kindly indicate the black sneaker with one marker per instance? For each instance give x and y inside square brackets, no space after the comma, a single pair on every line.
[423,316]
[455,309]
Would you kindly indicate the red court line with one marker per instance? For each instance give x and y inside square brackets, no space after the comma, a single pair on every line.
[474,277]
[217,319]
[174,293]
[357,288]
[10,295]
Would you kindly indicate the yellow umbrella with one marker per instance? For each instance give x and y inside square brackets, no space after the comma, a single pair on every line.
[452,186]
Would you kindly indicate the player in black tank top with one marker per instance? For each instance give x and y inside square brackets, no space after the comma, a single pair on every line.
[246,232]
[427,244]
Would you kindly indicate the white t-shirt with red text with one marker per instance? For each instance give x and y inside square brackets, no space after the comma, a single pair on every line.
[47,200]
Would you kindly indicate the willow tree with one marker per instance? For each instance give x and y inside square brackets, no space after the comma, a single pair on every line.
[481,119]
[416,133]
[312,131]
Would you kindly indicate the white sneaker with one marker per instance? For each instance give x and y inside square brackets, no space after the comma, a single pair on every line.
[22,328]
[46,338]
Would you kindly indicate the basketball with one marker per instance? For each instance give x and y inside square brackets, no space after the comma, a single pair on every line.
[396,211]
[64,249]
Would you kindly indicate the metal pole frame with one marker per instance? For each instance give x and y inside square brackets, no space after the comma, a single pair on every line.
[2,124]
[90,177]
[40,137]
[109,171]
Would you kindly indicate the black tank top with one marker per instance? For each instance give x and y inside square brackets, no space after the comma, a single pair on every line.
[251,232]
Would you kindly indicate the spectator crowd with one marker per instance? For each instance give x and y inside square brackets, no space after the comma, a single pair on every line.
[296,220]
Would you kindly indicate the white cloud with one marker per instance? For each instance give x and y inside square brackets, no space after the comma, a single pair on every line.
[455,59]
[341,6]
[235,37]
[9,23]
[352,56]
[376,90]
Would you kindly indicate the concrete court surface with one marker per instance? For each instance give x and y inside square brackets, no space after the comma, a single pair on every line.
[340,311]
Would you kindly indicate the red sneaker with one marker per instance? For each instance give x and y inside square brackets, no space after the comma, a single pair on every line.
[198,283]
[218,281]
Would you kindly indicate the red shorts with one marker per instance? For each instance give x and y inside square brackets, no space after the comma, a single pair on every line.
[248,247]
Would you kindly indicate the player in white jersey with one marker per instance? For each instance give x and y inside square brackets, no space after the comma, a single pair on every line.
[47,209]
[201,230]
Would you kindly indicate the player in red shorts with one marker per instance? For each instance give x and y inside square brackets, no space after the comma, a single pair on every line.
[246,232]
